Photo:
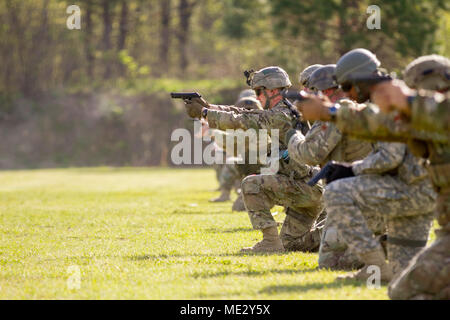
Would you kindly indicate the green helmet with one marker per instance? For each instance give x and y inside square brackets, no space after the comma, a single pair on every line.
[270,78]
[428,72]
[248,103]
[306,73]
[322,78]
[354,63]
[247,93]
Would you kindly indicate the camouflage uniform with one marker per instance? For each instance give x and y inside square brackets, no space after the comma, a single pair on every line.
[390,183]
[428,274]
[230,175]
[322,143]
[287,188]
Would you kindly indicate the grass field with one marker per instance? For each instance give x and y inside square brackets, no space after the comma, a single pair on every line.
[142,234]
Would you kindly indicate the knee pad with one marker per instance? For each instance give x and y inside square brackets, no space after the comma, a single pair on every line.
[250,185]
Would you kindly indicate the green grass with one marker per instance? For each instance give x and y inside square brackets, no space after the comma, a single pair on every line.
[143,234]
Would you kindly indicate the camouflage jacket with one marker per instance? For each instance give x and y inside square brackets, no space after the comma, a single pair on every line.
[324,142]
[431,112]
[394,159]
[279,118]
[366,122]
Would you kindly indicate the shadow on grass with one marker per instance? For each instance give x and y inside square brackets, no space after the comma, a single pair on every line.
[188,210]
[247,273]
[337,284]
[232,230]
[208,255]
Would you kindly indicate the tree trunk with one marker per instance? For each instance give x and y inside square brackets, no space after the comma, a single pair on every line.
[107,27]
[123,32]
[184,14]
[164,35]
[123,26]
[88,41]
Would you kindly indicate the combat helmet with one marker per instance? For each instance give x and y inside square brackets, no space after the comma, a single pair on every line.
[306,73]
[355,63]
[247,93]
[322,78]
[431,72]
[270,78]
[248,103]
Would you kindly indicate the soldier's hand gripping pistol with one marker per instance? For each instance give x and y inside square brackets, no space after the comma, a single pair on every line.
[332,171]
[194,103]
[300,124]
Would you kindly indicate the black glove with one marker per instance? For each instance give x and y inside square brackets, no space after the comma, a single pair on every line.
[339,171]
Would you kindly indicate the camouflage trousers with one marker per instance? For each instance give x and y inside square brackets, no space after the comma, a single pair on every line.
[303,203]
[428,274]
[232,174]
[335,254]
[310,240]
[407,210]
[228,177]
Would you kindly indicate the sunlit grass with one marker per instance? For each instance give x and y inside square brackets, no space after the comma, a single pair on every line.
[142,234]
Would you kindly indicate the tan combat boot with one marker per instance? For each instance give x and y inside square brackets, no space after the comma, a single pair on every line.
[372,258]
[238,205]
[271,242]
[224,196]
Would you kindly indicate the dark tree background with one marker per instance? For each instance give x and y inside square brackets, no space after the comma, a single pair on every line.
[99,95]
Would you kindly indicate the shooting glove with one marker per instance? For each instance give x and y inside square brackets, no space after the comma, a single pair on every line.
[194,107]
[340,171]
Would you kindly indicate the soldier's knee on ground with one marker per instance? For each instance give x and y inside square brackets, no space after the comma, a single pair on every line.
[308,242]
[334,254]
[295,225]
[407,236]
[427,275]
[250,185]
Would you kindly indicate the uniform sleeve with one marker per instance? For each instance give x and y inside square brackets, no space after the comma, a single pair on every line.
[252,119]
[431,113]
[228,108]
[318,143]
[386,157]
[366,122]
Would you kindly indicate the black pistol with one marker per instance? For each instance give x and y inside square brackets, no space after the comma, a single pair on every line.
[322,174]
[185,95]
[303,126]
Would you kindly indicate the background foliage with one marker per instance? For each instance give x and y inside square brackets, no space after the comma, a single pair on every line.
[99,95]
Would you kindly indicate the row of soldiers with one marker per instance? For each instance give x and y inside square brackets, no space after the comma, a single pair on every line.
[388,143]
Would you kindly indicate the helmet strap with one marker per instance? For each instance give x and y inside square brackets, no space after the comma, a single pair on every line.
[269,99]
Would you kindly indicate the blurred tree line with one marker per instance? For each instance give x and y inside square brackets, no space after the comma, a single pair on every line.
[149,47]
